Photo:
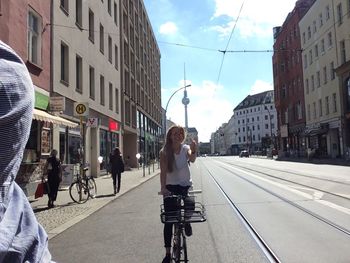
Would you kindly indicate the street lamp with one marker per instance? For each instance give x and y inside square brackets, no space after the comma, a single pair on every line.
[172,95]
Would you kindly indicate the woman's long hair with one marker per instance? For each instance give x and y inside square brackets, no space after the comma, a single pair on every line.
[168,150]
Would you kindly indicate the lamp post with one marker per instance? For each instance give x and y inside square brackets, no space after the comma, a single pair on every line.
[172,95]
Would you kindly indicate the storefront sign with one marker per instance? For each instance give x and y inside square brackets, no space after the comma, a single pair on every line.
[45,141]
[92,122]
[113,125]
[57,103]
[284,131]
[41,101]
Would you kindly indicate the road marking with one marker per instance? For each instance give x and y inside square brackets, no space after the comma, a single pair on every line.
[288,188]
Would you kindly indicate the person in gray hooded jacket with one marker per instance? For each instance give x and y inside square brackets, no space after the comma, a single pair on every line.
[22,238]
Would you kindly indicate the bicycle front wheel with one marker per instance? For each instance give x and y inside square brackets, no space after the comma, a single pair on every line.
[92,187]
[79,192]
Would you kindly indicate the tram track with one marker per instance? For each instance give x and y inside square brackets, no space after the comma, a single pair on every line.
[267,250]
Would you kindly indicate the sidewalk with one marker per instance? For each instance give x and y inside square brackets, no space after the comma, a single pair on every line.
[66,213]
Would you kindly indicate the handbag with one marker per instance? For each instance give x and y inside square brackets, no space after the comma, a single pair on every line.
[39,192]
[46,187]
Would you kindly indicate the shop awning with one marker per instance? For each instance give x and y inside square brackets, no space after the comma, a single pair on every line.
[41,115]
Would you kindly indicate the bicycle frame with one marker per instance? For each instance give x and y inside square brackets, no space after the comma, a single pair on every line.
[179,217]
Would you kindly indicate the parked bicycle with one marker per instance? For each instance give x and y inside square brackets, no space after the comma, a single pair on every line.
[83,187]
[179,217]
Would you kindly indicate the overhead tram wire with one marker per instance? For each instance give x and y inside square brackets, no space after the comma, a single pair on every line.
[224,51]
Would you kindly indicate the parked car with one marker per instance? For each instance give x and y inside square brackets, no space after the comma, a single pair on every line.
[244,153]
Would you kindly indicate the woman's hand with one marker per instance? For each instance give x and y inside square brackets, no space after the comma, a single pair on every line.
[193,146]
[164,192]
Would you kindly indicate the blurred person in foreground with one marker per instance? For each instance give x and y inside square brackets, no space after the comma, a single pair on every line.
[22,238]
[175,177]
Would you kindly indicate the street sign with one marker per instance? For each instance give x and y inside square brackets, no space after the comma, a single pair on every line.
[81,109]
[57,104]
[92,122]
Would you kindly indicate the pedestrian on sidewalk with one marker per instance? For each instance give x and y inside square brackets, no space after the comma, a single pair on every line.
[53,170]
[117,168]
[22,239]
[175,178]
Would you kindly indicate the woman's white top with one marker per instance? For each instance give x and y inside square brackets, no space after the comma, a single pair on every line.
[181,173]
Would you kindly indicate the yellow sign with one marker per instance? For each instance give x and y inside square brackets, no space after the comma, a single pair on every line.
[81,109]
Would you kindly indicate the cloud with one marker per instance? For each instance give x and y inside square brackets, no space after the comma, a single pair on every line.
[206,111]
[257,18]
[168,28]
[260,86]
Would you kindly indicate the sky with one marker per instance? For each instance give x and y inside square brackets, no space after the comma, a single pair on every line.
[192,35]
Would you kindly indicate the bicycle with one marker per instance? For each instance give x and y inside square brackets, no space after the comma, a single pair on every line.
[179,217]
[83,187]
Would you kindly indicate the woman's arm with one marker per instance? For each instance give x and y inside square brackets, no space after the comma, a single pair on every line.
[163,170]
[192,152]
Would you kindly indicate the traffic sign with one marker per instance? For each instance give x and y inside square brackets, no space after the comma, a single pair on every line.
[81,109]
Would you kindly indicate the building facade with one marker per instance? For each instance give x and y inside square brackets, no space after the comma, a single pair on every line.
[343,69]
[289,84]
[319,43]
[140,83]
[86,72]
[255,123]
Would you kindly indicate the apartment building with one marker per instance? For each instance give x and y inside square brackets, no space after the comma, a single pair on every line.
[288,82]
[141,86]
[319,43]
[343,69]
[86,73]
[25,27]
[255,122]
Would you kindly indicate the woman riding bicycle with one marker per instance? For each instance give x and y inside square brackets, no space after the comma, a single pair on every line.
[175,176]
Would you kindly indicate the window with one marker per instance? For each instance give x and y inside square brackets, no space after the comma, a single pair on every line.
[91,26]
[314,110]
[307,86]
[78,13]
[314,27]
[115,13]
[92,82]
[312,83]
[348,94]
[342,52]
[64,63]
[116,57]
[299,111]
[318,79]
[102,90]
[110,96]
[304,38]
[321,20]
[102,42]
[34,37]
[325,74]
[334,102]
[310,56]
[327,12]
[330,40]
[78,74]
[331,70]
[109,7]
[308,32]
[116,100]
[327,105]
[339,14]
[64,6]
[305,61]
[109,49]
[322,46]
[308,112]
[320,107]
[316,51]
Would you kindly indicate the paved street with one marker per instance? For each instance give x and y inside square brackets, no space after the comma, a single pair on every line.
[67,213]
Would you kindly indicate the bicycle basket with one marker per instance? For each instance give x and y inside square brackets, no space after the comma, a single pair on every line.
[193,214]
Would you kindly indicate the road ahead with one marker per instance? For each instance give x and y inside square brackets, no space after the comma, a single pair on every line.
[294,216]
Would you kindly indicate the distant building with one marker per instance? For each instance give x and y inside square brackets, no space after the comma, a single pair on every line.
[192,134]
[255,122]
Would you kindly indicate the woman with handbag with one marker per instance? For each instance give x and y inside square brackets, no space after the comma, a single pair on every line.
[117,167]
[53,170]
